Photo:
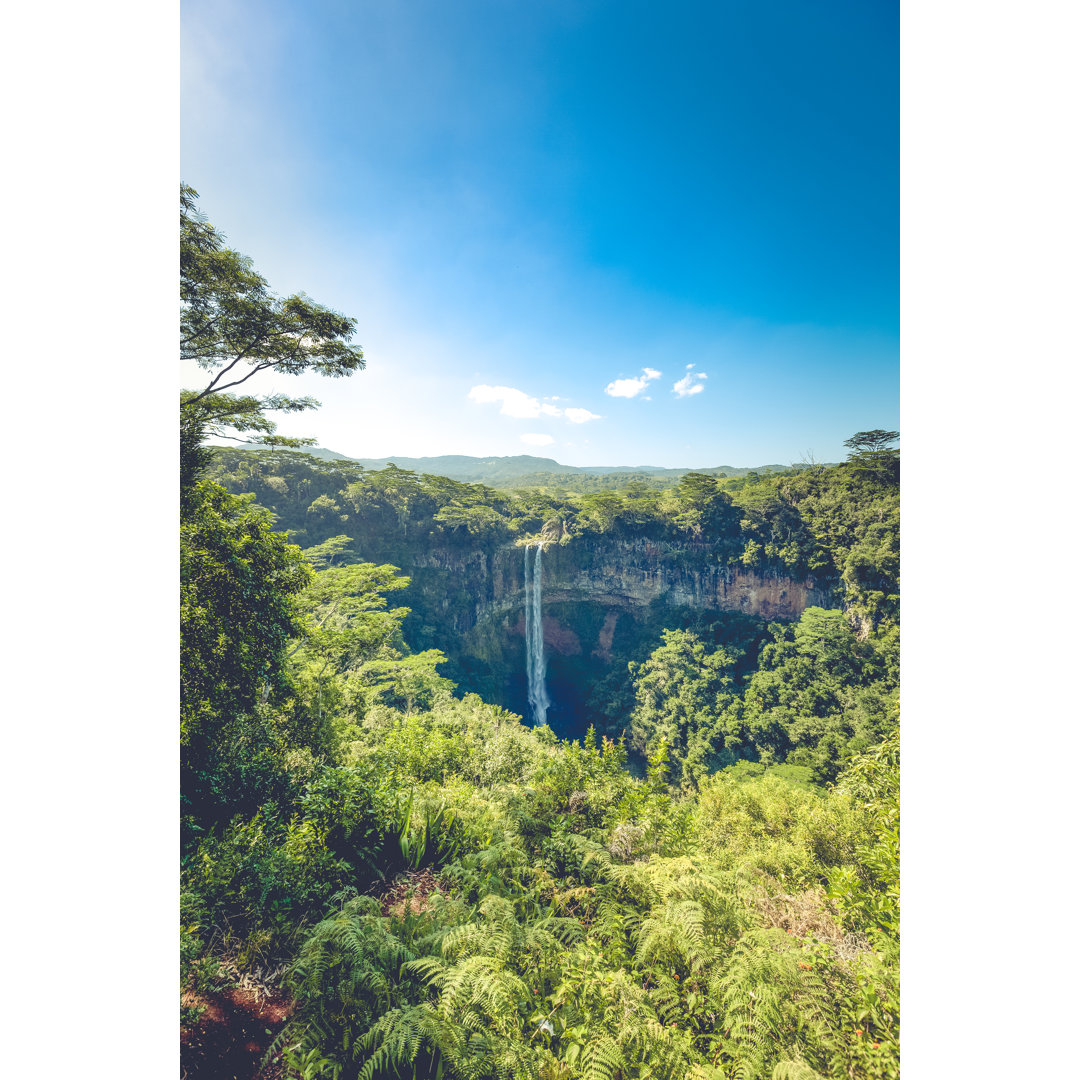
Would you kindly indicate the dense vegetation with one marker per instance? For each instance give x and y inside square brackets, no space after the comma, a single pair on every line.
[445,891]
[840,522]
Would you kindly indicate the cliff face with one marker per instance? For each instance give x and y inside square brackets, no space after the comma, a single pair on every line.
[603,600]
[620,575]
[639,573]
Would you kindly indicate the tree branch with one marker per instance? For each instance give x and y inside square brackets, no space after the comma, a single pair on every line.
[213,389]
[202,329]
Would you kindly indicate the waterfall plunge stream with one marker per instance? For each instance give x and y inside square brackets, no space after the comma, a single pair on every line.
[535,662]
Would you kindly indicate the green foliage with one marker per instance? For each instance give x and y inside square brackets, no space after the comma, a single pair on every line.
[264,876]
[238,609]
[231,325]
[239,587]
[770,997]
[868,892]
[819,693]
[585,923]
[435,840]
[681,693]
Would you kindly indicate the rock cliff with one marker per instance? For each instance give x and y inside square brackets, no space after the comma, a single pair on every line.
[619,574]
[601,598]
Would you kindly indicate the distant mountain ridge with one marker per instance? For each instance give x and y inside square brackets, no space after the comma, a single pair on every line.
[498,470]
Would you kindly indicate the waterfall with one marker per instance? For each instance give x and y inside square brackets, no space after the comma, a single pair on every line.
[535,664]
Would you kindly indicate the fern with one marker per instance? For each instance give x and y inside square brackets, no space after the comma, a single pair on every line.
[602,1059]
[771,1000]
[795,1070]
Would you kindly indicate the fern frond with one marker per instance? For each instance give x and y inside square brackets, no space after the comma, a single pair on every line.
[769,1001]
[795,1070]
[602,1059]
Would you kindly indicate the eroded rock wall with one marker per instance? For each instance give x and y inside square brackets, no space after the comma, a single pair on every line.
[471,587]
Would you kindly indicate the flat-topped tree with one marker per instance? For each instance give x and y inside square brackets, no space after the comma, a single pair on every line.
[872,452]
[233,327]
[870,442]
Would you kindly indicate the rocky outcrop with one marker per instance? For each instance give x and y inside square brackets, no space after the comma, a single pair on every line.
[631,577]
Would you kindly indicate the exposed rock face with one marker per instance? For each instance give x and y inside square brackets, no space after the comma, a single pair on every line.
[648,578]
[617,574]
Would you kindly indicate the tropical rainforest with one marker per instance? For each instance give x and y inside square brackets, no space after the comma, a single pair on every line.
[390,869]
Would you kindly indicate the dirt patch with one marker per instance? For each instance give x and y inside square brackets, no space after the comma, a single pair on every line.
[233,1034]
[410,889]
[805,914]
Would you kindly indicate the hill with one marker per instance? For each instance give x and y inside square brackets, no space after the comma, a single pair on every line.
[523,469]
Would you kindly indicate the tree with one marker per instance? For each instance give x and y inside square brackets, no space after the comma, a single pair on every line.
[704,508]
[346,618]
[820,694]
[600,512]
[346,622]
[233,327]
[239,587]
[871,453]
[680,693]
[863,442]
[239,580]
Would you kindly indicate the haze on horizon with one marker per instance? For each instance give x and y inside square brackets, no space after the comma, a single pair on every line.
[589,231]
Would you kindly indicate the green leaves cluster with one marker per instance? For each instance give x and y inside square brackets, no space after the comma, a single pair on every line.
[817,695]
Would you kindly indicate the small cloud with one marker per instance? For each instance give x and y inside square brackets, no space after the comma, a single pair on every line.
[581,416]
[690,384]
[629,388]
[689,366]
[537,439]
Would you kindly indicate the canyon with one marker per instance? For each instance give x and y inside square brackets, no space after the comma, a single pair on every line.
[604,601]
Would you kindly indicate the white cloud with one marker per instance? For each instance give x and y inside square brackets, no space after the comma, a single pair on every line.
[690,384]
[514,403]
[522,406]
[629,388]
[537,440]
[580,416]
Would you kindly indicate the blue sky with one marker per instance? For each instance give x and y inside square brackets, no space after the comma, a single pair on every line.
[605,232]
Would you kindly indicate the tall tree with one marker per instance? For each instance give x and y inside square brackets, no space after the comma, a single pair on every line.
[872,453]
[233,327]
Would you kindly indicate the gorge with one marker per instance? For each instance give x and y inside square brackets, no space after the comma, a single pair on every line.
[603,602]
[722,557]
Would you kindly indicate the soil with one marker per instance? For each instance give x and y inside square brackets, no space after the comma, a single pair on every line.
[410,888]
[232,1035]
